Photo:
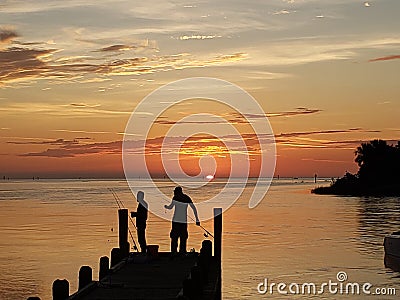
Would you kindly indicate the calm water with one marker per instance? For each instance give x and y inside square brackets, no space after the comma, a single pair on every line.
[51,228]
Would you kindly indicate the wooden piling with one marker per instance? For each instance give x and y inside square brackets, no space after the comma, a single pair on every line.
[123,227]
[85,276]
[115,256]
[104,267]
[204,259]
[217,233]
[33,298]
[60,289]
[125,250]
[123,232]
[206,248]
[218,249]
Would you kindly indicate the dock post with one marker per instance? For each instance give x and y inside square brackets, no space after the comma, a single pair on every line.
[218,248]
[217,233]
[104,267]
[115,256]
[206,248]
[60,289]
[33,298]
[123,232]
[204,258]
[85,276]
[125,250]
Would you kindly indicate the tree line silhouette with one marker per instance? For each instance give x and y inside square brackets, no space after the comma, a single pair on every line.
[378,173]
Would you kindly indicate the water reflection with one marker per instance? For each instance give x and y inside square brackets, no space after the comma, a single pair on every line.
[377,218]
[292,236]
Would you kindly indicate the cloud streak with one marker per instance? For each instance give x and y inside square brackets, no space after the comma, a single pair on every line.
[76,148]
[237,118]
[68,110]
[24,64]
[198,37]
[116,48]
[58,142]
[304,50]
[385,58]
[195,145]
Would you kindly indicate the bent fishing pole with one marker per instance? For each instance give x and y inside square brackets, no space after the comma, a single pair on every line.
[207,233]
[121,205]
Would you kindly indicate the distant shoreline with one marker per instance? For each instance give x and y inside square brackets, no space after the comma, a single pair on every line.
[378,174]
[299,178]
[359,191]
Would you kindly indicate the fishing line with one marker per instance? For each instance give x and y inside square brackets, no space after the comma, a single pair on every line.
[118,200]
[121,205]
[115,198]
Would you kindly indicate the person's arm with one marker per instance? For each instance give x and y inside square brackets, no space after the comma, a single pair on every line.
[170,206]
[195,213]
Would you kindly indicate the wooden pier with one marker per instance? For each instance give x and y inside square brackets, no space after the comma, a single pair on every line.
[154,275]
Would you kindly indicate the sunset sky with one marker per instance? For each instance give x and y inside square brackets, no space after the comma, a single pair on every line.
[325,72]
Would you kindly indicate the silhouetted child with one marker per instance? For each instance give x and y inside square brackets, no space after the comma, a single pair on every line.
[179,221]
[141,218]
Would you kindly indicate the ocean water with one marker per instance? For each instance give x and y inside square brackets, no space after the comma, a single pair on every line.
[49,228]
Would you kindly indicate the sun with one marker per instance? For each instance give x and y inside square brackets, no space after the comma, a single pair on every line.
[209,177]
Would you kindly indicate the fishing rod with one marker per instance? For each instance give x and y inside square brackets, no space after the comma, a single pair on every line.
[121,205]
[207,232]
[115,198]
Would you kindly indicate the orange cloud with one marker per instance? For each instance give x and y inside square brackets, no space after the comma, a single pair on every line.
[24,63]
[115,48]
[237,118]
[200,144]
[391,57]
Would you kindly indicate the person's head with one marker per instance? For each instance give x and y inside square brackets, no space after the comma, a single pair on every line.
[178,190]
[140,196]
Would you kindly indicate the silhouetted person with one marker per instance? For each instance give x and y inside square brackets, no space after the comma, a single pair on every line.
[141,218]
[315,178]
[179,221]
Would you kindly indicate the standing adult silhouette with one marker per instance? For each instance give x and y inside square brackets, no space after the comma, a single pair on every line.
[180,202]
[141,218]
